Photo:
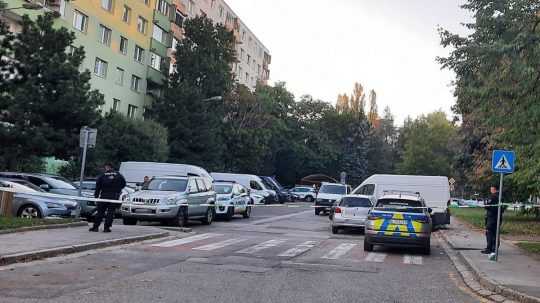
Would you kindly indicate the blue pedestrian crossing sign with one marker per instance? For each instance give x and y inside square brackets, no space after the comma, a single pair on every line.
[503,161]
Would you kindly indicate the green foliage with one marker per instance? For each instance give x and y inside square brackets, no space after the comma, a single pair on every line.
[427,149]
[47,99]
[514,224]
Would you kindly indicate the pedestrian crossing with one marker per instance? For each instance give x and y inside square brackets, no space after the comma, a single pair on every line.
[286,248]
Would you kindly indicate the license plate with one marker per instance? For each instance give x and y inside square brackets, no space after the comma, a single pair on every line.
[399,222]
[143,211]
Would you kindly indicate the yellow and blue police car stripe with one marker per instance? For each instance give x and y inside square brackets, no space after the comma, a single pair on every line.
[386,228]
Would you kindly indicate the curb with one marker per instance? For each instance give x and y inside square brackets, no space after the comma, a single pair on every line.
[479,282]
[53,252]
[41,227]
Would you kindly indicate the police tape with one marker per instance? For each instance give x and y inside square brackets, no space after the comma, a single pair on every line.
[98,200]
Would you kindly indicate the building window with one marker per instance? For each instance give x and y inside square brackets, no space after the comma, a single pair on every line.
[123,45]
[119,76]
[242,54]
[105,35]
[107,5]
[135,83]
[162,7]
[212,3]
[132,111]
[155,61]
[139,54]
[142,24]
[80,21]
[248,59]
[247,77]
[179,18]
[115,105]
[100,68]
[174,43]
[126,15]
[221,11]
[190,7]
[243,35]
[159,34]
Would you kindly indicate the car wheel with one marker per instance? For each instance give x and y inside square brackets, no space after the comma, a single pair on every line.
[335,230]
[29,212]
[181,219]
[317,211]
[309,199]
[247,213]
[230,214]
[426,250]
[129,221]
[367,246]
[209,217]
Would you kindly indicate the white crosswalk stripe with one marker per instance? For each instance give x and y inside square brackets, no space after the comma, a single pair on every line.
[416,260]
[339,251]
[261,246]
[299,249]
[375,257]
[218,245]
[187,240]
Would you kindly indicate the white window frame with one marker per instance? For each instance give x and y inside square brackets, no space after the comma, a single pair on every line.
[116,105]
[159,34]
[155,61]
[123,47]
[132,111]
[100,68]
[105,35]
[126,14]
[163,7]
[138,55]
[107,5]
[137,81]
[82,23]
[141,22]
[120,73]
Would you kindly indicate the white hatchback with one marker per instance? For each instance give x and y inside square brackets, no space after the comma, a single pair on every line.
[350,211]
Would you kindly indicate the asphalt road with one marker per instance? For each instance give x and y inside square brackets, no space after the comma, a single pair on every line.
[281,254]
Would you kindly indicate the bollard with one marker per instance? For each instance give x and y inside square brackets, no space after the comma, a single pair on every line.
[6,204]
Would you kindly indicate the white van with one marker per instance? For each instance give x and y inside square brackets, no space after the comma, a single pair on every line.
[435,190]
[134,172]
[258,190]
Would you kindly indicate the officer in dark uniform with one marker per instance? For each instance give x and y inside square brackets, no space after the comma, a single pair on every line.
[108,186]
[491,220]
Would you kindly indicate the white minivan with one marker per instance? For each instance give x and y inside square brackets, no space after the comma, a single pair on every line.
[134,172]
[259,192]
[435,190]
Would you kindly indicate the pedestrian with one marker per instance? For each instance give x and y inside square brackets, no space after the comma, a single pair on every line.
[491,220]
[146,180]
[108,186]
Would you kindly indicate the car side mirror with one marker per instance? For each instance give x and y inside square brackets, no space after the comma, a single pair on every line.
[45,187]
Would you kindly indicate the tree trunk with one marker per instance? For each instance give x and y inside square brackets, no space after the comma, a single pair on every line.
[6,204]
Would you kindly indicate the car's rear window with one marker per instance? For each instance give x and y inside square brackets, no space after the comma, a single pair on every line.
[355,202]
[400,205]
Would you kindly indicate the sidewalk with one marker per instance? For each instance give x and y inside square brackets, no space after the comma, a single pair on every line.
[515,273]
[39,244]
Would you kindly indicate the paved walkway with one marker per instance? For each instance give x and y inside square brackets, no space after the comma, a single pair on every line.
[30,241]
[514,270]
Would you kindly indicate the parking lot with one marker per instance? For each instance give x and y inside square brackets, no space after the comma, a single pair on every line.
[282,253]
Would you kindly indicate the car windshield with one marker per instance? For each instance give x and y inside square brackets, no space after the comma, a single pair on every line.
[59,182]
[268,184]
[400,205]
[355,202]
[222,189]
[161,184]
[333,189]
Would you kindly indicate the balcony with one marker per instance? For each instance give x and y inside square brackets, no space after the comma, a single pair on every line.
[163,21]
[159,48]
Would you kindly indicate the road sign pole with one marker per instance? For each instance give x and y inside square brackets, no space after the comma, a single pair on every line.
[498,233]
[83,163]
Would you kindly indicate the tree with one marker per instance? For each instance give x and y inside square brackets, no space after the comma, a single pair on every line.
[44,109]
[204,58]
[373,115]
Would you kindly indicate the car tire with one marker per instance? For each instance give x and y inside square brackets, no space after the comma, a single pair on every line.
[317,211]
[129,221]
[29,211]
[247,213]
[367,246]
[335,230]
[209,216]
[309,199]
[426,250]
[230,214]
[181,219]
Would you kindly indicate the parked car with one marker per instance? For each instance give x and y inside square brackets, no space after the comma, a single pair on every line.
[259,192]
[399,219]
[350,211]
[305,193]
[55,185]
[173,200]
[328,194]
[232,199]
[282,194]
[28,205]
[89,185]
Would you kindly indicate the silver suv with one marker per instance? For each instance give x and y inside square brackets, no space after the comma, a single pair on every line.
[173,200]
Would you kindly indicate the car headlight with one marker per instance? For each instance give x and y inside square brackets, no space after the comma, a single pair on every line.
[171,201]
[54,205]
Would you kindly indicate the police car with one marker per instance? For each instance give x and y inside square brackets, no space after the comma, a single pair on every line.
[399,219]
[232,199]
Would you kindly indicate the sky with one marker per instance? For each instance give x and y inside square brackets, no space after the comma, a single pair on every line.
[322,48]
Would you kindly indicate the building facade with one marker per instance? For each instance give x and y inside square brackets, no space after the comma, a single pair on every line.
[130,44]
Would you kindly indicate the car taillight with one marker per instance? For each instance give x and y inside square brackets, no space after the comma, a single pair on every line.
[337,210]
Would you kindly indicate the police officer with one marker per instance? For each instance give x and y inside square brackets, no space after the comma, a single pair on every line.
[108,186]
[491,220]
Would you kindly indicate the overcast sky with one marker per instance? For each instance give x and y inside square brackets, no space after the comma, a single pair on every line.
[322,47]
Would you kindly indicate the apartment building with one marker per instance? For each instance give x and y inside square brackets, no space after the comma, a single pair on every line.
[130,44]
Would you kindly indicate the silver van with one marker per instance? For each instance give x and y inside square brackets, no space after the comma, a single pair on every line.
[173,200]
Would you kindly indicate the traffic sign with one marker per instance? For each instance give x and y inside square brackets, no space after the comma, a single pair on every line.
[90,140]
[503,161]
